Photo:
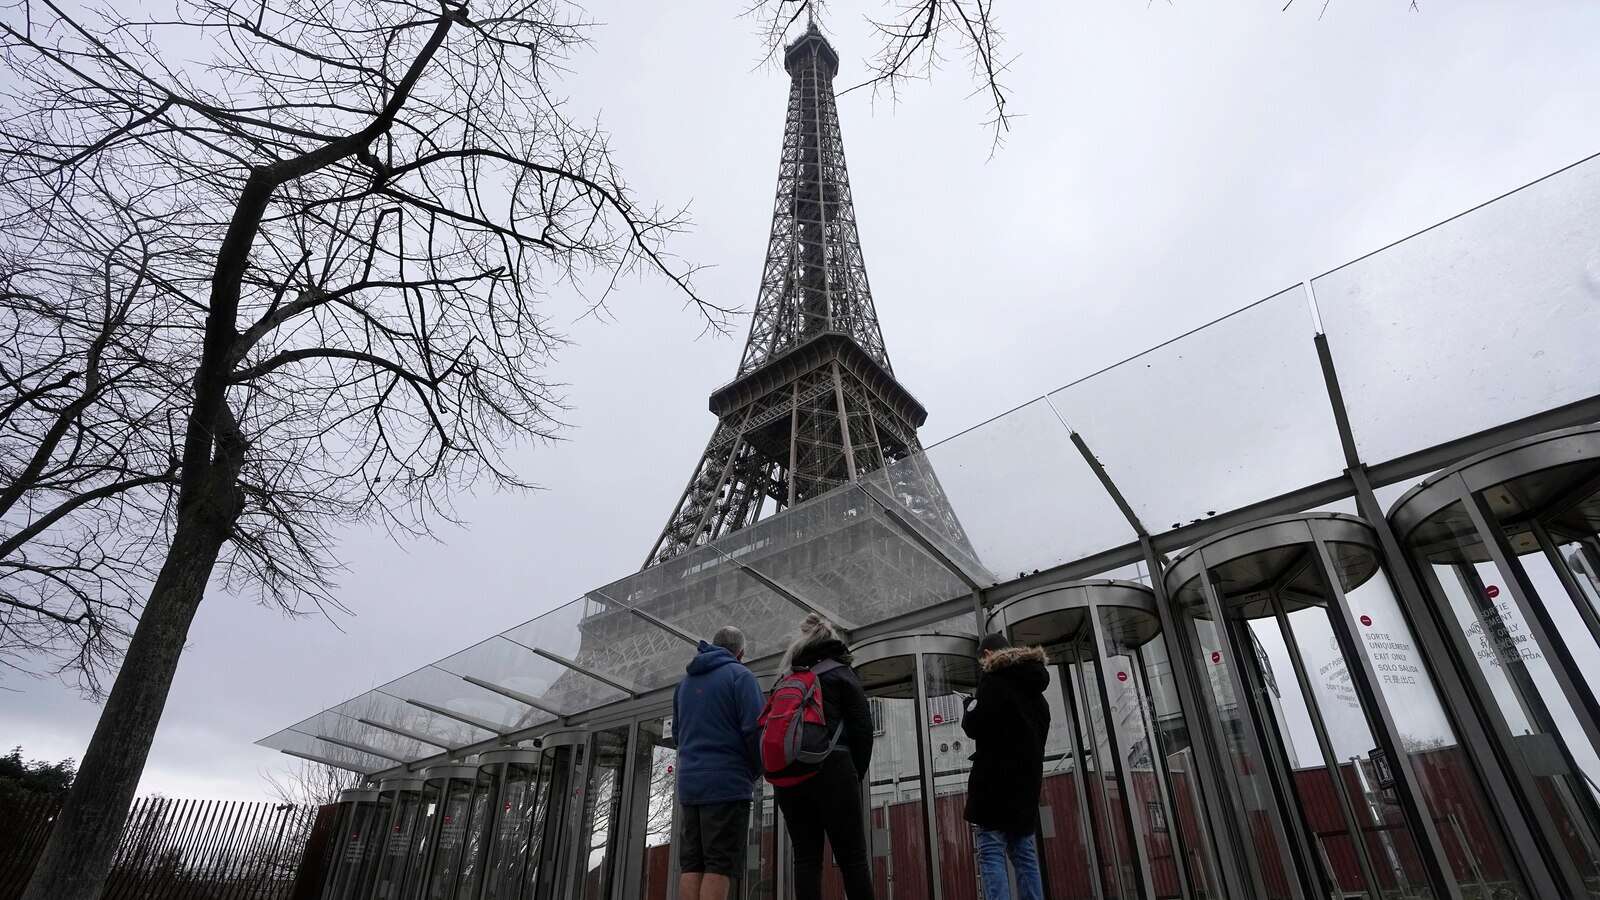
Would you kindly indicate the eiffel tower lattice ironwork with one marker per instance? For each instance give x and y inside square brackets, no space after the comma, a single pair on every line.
[815,403]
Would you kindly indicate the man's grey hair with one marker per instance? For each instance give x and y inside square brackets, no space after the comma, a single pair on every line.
[730,639]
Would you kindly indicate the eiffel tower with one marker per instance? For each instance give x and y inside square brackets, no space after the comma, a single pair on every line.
[815,405]
[815,402]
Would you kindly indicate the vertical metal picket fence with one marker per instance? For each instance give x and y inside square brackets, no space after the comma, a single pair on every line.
[182,849]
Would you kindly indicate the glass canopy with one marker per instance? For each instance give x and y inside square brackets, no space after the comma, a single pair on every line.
[1482,325]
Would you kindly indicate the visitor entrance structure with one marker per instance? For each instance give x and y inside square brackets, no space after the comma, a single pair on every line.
[1276,673]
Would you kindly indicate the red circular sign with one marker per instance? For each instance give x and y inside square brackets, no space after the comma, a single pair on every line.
[669,770]
[1216,656]
[1367,621]
[1492,590]
[938,718]
[1122,676]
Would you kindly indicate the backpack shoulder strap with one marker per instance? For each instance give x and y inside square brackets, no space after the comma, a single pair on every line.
[827,665]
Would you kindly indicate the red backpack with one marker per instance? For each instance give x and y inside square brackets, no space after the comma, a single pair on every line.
[794,731]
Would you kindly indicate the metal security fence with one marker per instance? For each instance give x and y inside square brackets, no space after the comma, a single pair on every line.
[185,849]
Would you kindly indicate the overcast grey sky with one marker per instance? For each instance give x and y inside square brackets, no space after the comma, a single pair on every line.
[1174,162]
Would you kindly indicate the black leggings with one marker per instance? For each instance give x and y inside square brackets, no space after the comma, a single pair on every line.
[829,804]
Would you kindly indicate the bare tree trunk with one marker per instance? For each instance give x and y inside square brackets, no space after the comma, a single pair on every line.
[77,858]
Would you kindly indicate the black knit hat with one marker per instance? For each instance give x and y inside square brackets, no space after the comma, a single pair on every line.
[992,642]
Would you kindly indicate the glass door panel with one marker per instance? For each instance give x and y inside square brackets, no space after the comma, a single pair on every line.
[1546,738]
[476,836]
[399,845]
[947,682]
[1174,753]
[551,834]
[455,816]
[658,807]
[1109,823]
[761,882]
[509,849]
[896,831]
[1064,831]
[1131,713]
[414,883]
[359,850]
[602,799]
[1473,845]
[1268,847]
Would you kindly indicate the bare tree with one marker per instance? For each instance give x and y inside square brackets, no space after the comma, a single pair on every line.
[327,240]
[913,40]
[86,443]
[307,783]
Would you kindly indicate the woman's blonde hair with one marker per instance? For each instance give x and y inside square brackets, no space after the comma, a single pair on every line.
[814,630]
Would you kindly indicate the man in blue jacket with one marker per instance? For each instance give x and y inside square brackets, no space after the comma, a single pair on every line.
[714,715]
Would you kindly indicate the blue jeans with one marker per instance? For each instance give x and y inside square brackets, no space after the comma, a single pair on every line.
[993,848]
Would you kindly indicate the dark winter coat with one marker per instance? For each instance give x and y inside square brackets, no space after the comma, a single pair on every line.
[843,700]
[714,714]
[1008,720]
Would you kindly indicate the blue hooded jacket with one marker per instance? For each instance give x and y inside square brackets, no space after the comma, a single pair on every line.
[714,715]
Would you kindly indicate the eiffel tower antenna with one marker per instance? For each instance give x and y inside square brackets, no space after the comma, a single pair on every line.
[815,402]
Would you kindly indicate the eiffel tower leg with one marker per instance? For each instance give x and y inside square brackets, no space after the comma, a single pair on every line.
[699,497]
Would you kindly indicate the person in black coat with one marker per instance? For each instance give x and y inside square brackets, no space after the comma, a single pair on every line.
[828,804]
[1008,720]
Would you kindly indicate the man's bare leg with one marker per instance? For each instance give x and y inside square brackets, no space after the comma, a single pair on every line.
[689,886]
[715,887]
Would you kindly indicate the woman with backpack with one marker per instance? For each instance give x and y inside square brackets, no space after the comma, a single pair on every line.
[823,798]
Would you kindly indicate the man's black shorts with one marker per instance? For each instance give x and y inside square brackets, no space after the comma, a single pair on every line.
[712,838]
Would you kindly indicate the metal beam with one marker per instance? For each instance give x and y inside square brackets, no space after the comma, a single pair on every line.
[513,694]
[560,660]
[921,540]
[1099,471]
[362,748]
[1438,456]
[394,729]
[474,721]
[838,620]
[663,625]
[1299,500]
[312,757]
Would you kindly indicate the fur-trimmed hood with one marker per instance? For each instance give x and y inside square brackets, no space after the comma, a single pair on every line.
[1012,656]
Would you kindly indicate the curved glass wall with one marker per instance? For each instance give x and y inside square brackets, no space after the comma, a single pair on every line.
[514,803]
[550,834]
[457,831]
[360,816]
[1505,545]
[1121,801]
[400,839]
[599,833]
[653,810]
[916,685]
[1345,771]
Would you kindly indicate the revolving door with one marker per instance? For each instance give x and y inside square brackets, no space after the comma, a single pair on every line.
[454,859]
[916,685]
[1505,546]
[550,834]
[1121,805]
[518,799]
[1344,772]
[361,814]
[399,859]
